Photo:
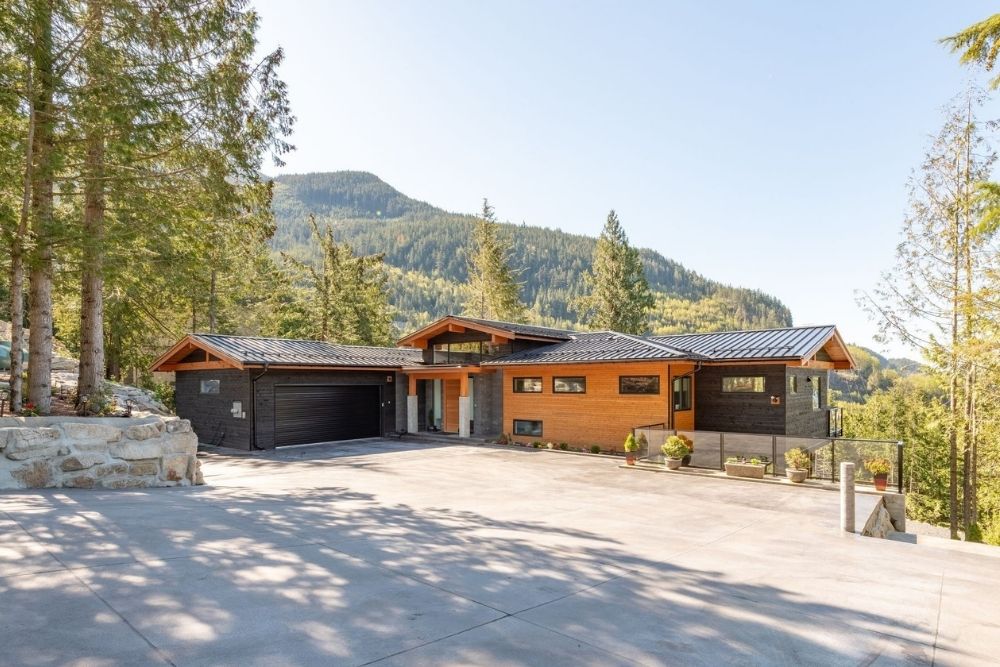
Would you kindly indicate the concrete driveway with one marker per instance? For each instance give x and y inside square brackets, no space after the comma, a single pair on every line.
[411,554]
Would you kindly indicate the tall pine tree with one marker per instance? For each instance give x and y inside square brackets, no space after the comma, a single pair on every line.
[619,298]
[494,290]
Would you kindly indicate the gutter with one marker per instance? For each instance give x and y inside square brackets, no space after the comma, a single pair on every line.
[253,407]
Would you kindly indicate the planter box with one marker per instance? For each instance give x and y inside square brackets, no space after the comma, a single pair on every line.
[751,470]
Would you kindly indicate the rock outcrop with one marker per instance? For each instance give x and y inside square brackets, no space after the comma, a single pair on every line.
[110,453]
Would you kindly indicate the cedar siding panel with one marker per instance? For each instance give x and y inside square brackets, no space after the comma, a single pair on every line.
[740,412]
[601,416]
[210,415]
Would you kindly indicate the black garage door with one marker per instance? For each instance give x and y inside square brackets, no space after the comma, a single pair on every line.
[304,414]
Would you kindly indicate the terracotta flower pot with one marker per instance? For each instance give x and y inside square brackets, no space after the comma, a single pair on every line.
[880,480]
[674,464]
[630,458]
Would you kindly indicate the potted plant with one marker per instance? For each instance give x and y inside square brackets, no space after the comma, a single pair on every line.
[674,450]
[879,468]
[690,445]
[631,447]
[797,465]
[739,466]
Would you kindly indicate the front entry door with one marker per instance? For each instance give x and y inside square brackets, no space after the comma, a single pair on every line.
[452,389]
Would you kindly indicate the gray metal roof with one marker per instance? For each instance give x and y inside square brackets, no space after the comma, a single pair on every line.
[595,346]
[294,352]
[521,329]
[785,343]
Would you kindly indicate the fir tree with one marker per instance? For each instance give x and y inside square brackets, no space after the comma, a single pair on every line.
[494,290]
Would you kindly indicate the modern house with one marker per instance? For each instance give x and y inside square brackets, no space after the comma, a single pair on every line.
[470,376]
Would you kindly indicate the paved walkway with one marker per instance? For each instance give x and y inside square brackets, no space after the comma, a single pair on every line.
[403,554]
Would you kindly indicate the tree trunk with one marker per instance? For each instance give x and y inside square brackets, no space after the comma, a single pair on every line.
[92,280]
[42,224]
[211,304]
[17,262]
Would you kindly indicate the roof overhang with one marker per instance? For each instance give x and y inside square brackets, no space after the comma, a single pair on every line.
[176,358]
[452,324]
[836,349]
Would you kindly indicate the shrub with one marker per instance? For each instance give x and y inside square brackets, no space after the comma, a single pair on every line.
[687,441]
[536,444]
[595,449]
[797,458]
[630,444]
[164,393]
[732,459]
[563,446]
[878,466]
[675,448]
[642,441]
[550,445]
[755,461]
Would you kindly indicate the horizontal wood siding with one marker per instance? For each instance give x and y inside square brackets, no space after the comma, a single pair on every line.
[683,419]
[800,418]
[601,416]
[740,412]
[265,395]
[210,414]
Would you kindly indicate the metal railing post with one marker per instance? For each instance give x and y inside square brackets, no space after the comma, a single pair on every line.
[774,456]
[833,460]
[722,451]
[899,466]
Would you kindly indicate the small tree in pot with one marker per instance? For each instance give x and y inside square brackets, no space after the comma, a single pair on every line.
[631,447]
[879,468]
[797,465]
[674,450]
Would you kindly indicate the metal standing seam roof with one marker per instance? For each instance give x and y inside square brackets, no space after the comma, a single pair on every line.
[594,346]
[521,329]
[294,352]
[785,343]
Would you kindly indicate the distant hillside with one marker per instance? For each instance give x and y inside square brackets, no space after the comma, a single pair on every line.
[425,248]
[873,373]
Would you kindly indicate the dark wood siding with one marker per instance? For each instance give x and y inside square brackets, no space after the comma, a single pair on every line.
[740,412]
[800,418]
[265,394]
[210,414]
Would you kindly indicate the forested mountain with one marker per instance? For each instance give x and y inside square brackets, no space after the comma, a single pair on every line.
[874,373]
[424,247]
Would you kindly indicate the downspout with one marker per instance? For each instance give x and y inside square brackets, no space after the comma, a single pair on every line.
[253,408]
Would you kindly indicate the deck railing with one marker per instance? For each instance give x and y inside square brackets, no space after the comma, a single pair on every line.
[712,448]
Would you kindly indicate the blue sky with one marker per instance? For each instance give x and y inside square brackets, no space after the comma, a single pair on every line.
[764,144]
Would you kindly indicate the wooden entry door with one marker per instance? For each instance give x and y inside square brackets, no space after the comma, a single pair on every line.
[452,389]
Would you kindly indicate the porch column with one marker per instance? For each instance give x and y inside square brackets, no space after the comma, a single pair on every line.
[464,407]
[412,425]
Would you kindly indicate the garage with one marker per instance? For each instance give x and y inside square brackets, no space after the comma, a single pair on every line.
[322,413]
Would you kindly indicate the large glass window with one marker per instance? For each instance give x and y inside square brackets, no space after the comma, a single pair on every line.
[210,386]
[527,385]
[814,381]
[743,384]
[574,385]
[793,384]
[682,393]
[639,384]
[528,427]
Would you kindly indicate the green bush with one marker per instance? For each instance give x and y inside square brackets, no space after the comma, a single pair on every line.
[630,444]
[164,393]
[797,458]
[595,449]
[675,448]
[878,466]
[536,444]
[563,446]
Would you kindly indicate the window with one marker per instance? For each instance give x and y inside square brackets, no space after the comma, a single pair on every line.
[210,386]
[815,391]
[569,385]
[793,384]
[682,393]
[527,385]
[743,384]
[639,384]
[527,427]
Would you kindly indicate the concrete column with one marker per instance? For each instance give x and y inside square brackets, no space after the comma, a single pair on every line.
[412,425]
[464,415]
[847,497]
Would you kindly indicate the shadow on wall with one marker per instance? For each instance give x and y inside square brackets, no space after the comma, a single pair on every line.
[329,575]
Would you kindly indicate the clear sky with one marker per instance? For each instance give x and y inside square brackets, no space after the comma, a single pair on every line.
[763,144]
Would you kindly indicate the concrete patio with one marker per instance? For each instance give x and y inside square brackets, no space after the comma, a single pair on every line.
[412,554]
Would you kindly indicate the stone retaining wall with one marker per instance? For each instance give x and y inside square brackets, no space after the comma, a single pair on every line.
[109,453]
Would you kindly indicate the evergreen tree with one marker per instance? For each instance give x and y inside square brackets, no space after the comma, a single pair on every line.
[494,290]
[619,298]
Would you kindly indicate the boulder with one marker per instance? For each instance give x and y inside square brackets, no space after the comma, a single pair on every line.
[80,462]
[110,469]
[175,467]
[35,475]
[143,431]
[144,467]
[80,482]
[19,443]
[179,426]
[86,433]
[131,451]
[125,483]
